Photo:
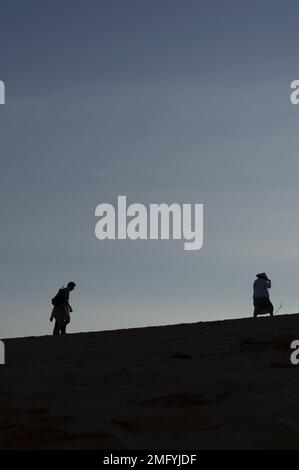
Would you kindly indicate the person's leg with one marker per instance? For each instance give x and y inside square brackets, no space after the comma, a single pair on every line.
[271,308]
[56,330]
[63,329]
[255,312]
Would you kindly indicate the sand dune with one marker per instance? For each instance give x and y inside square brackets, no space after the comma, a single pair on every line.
[215,385]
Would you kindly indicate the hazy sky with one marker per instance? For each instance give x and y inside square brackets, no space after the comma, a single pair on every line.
[163,101]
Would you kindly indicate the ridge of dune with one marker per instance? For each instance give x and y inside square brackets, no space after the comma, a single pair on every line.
[209,385]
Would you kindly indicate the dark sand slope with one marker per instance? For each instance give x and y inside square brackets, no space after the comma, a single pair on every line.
[215,385]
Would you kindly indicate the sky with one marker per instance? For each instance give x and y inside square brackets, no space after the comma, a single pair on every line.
[175,102]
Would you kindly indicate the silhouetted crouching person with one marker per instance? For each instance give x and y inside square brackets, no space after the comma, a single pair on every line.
[62,309]
[261,299]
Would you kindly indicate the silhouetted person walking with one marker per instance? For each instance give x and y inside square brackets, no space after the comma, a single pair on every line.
[261,299]
[62,309]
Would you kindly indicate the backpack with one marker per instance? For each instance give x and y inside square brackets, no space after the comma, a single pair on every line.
[58,299]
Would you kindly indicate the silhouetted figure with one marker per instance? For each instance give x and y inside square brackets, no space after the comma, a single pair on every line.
[62,309]
[261,299]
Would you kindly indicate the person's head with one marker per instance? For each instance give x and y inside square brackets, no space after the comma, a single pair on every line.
[262,276]
[71,285]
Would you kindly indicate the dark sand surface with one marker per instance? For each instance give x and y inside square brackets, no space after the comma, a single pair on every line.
[215,385]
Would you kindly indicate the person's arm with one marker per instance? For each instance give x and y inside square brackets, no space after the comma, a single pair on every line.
[269,283]
[66,301]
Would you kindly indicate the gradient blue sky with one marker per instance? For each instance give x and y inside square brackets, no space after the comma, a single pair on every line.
[164,101]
